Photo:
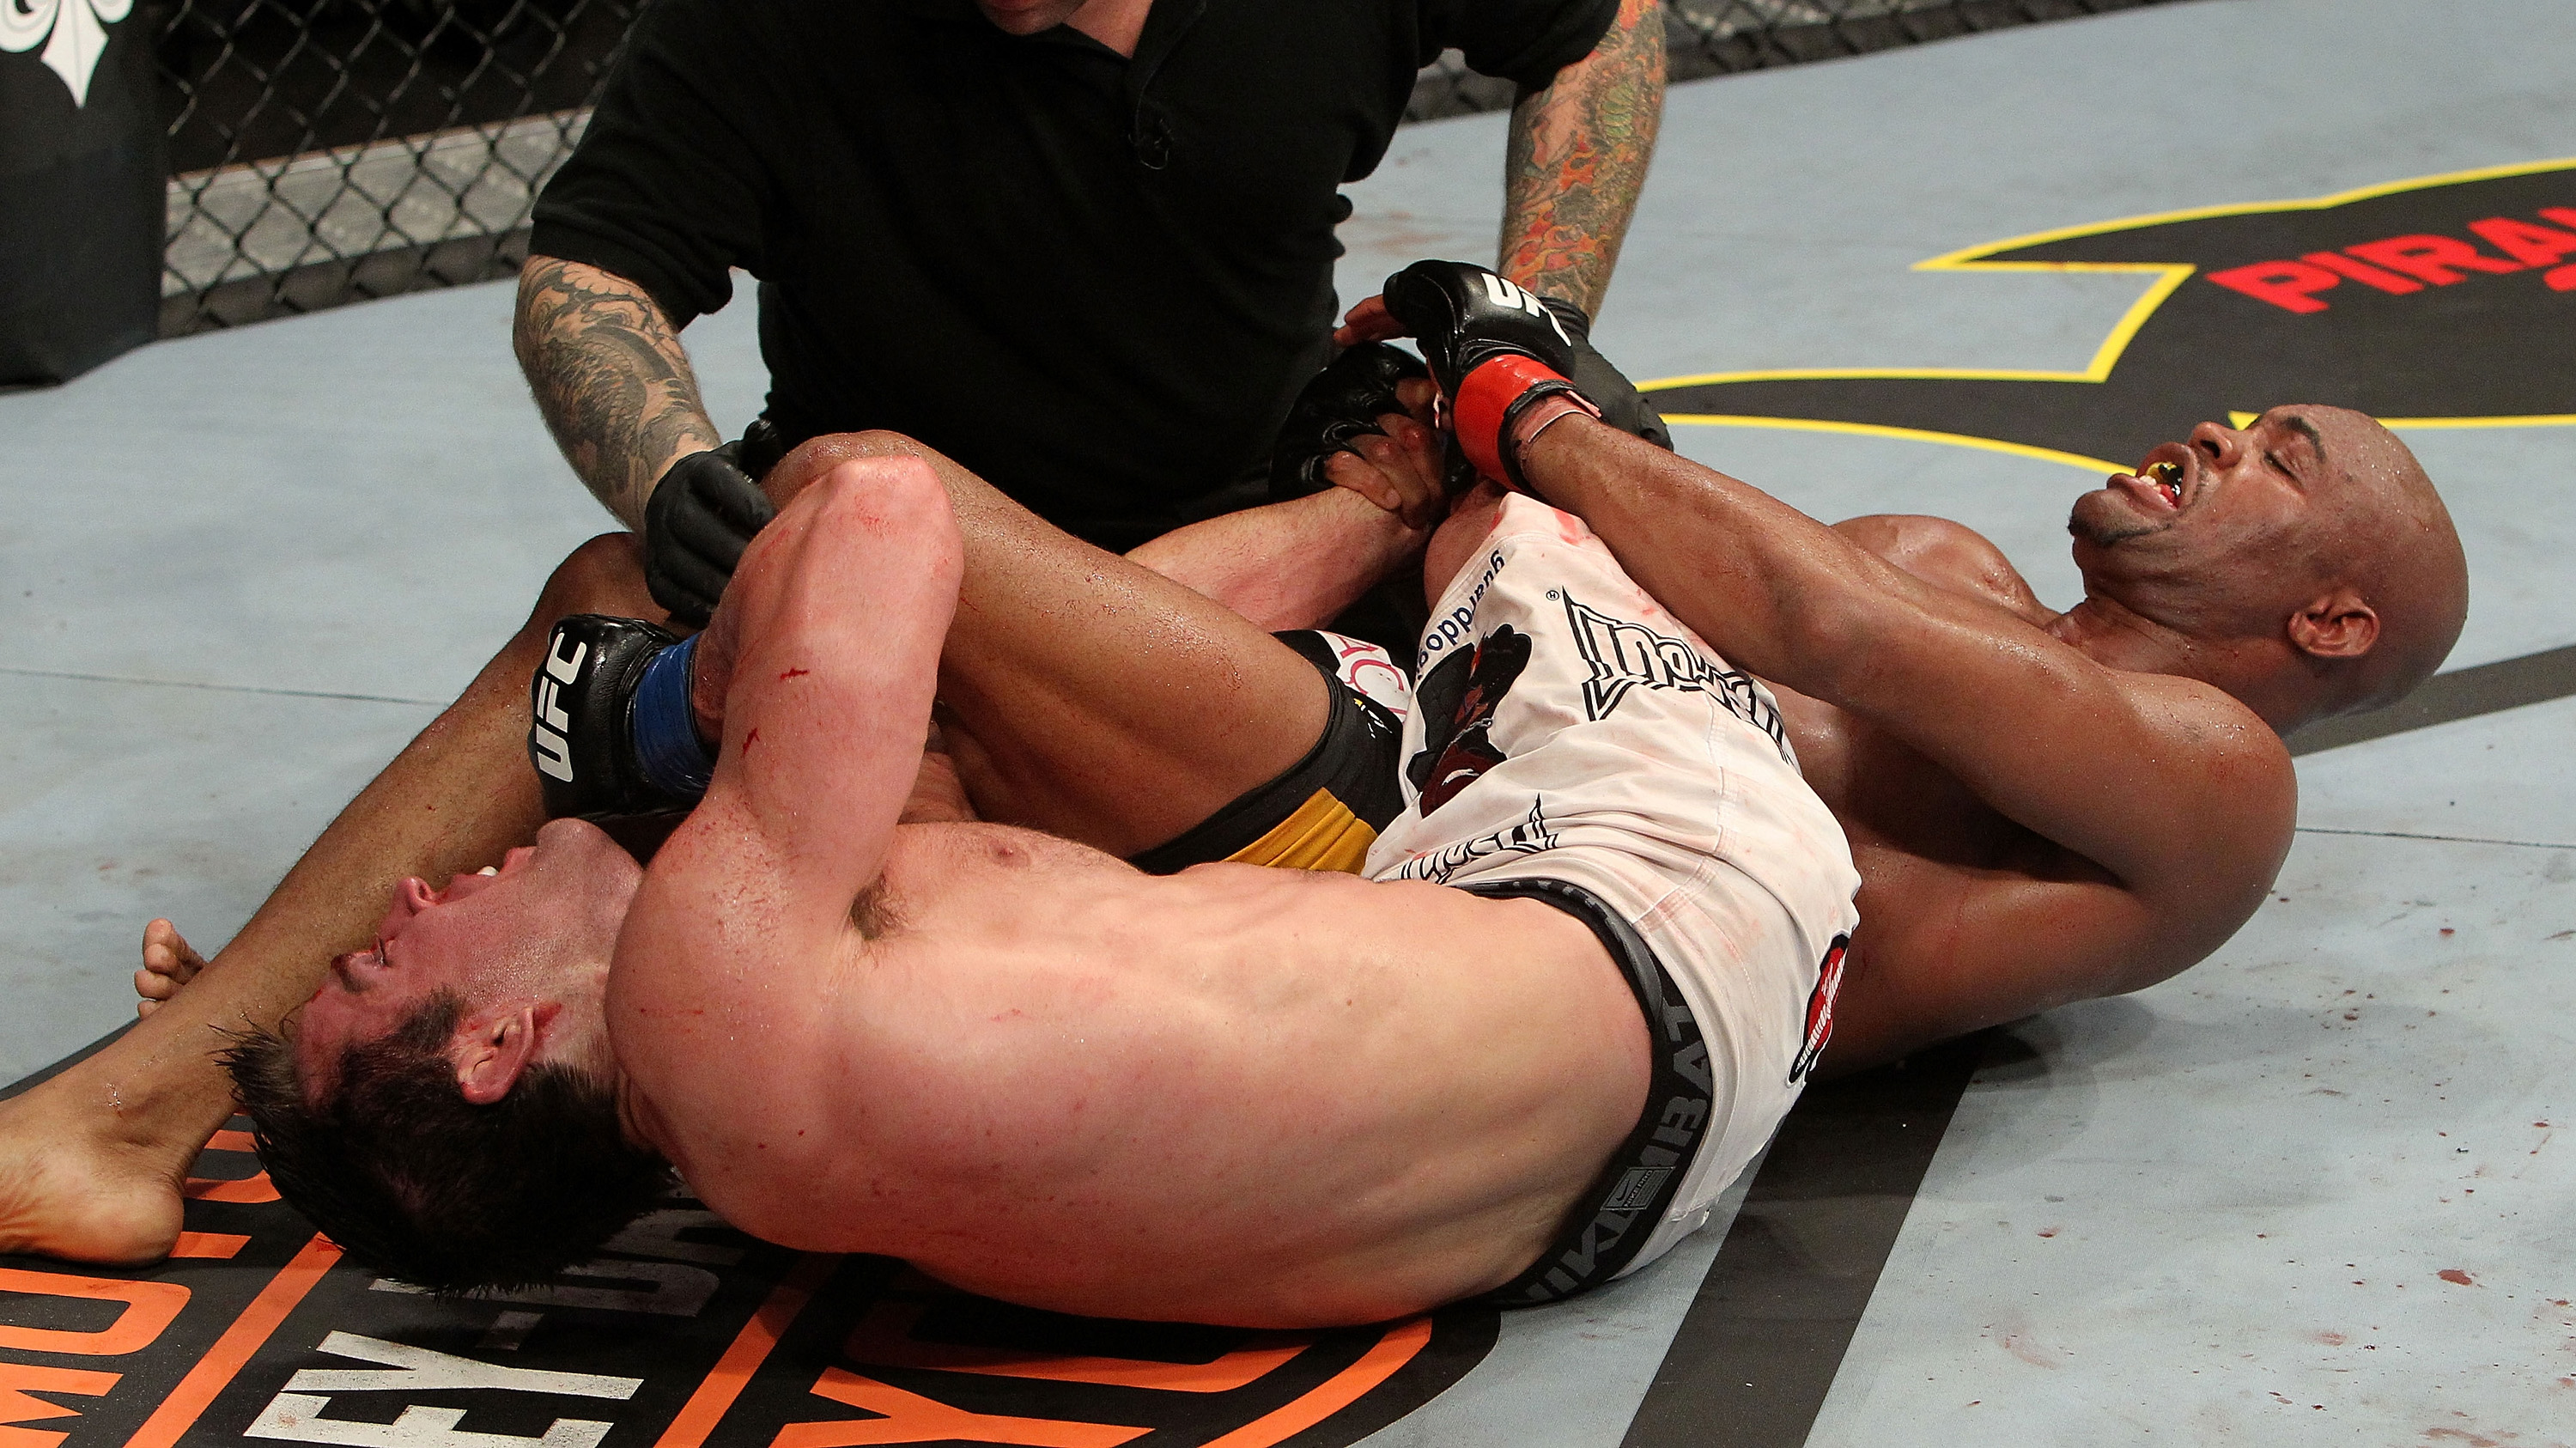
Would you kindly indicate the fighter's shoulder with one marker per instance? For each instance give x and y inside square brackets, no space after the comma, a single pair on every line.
[2214,759]
[1946,554]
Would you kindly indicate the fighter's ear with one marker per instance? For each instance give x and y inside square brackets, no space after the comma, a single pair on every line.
[2338,625]
[492,1048]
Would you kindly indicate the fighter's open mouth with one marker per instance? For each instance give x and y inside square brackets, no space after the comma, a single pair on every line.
[2157,483]
[2168,476]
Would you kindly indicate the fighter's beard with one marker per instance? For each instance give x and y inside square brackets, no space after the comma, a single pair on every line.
[2104,532]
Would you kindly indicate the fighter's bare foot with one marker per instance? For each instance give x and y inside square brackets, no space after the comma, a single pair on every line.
[67,1192]
[168,963]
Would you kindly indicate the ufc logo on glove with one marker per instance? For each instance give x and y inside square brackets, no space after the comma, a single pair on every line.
[1502,293]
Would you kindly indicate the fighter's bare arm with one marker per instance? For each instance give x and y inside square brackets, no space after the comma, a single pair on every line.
[611,379]
[830,635]
[2176,800]
[1577,159]
[1298,564]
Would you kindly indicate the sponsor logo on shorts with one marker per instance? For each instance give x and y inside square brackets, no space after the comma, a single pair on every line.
[1370,671]
[1636,1189]
[1459,624]
[1820,1009]
[1604,1244]
[1459,699]
[1528,837]
[1624,654]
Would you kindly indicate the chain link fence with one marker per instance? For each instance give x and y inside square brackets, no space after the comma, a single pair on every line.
[1721,37]
[326,151]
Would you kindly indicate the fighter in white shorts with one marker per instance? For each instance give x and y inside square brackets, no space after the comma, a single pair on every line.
[1665,812]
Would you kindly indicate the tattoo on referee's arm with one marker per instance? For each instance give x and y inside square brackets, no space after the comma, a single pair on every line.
[611,379]
[1577,159]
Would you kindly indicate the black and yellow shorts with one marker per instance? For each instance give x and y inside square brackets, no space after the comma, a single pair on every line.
[1326,810]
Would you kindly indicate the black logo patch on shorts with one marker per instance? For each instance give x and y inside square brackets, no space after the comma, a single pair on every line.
[1458,699]
[1623,654]
[1636,1190]
[1820,1008]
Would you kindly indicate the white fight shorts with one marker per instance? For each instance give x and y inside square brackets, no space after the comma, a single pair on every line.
[1572,741]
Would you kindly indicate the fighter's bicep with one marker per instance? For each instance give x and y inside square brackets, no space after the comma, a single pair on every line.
[1946,555]
[2163,781]
[1995,951]
[838,614]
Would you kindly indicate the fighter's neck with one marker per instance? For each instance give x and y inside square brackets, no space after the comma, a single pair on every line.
[2118,637]
[638,1120]
[2115,636]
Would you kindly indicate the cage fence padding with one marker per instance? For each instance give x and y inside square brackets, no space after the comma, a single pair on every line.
[325,151]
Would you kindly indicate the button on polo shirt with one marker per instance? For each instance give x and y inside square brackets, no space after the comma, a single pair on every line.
[1096,281]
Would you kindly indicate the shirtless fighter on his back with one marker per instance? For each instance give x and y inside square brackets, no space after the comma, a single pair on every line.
[2039,818]
[2044,807]
[1235,1094]
[2053,805]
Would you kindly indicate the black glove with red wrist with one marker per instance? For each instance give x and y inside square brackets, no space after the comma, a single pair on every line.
[1622,405]
[1495,349]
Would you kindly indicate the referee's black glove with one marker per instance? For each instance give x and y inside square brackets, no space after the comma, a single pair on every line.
[702,515]
[1339,404]
[1622,405]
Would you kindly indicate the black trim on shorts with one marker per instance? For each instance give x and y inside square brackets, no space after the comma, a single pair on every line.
[1609,1227]
[1356,759]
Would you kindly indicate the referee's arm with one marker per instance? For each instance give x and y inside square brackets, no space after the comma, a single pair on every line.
[1578,156]
[608,372]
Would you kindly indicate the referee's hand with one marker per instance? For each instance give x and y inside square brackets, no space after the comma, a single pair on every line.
[702,515]
[1403,467]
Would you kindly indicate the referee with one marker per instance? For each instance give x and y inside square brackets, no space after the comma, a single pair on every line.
[1084,247]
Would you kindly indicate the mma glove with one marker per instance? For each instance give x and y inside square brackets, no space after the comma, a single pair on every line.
[611,730]
[1622,405]
[703,513]
[1496,351]
[1339,404]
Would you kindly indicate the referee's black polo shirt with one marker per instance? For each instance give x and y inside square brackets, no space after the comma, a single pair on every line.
[1097,282]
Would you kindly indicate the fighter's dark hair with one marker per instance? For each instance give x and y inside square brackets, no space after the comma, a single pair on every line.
[392,1162]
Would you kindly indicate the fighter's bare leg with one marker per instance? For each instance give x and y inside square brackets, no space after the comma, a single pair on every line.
[1083,694]
[91,1162]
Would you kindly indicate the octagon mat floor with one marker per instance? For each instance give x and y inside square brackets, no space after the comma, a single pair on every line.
[2306,1193]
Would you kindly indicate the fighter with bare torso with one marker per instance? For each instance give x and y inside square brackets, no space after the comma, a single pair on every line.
[2044,807]
[1233,1094]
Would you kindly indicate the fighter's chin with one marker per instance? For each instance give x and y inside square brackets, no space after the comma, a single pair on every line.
[584,846]
[2105,518]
